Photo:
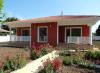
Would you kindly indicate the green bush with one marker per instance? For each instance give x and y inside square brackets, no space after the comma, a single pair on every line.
[2,71]
[92,55]
[76,61]
[14,63]
[67,61]
[33,55]
[65,53]
[48,69]
[83,64]
[43,52]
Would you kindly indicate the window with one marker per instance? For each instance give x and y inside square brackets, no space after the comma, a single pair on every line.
[76,32]
[42,34]
[25,32]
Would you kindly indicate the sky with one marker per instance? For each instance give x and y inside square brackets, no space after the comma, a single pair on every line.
[27,9]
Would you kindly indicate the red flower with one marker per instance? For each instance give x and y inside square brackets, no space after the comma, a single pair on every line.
[56,63]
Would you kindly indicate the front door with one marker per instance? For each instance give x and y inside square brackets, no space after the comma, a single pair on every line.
[67,34]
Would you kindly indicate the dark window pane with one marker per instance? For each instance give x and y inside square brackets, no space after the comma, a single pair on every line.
[43,31]
[43,34]
[25,33]
[76,32]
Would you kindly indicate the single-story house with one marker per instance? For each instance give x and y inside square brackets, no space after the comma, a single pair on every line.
[55,30]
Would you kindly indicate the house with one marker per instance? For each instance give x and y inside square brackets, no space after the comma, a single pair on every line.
[54,30]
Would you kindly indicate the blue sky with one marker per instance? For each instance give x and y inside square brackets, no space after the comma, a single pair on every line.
[26,9]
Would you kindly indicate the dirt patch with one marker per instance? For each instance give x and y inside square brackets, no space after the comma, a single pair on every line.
[6,52]
[73,69]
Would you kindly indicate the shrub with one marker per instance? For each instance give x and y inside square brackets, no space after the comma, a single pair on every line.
[92,55]
[67,61]
[14,63]
[65,53]
[76,61]
[33,55]
[43,52]
[56,63]
[2,71]
[83,64]
[51,66]
[48,69]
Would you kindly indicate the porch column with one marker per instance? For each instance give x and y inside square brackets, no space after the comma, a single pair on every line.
[30,36]
[57,34]
[10,34]
[90,35]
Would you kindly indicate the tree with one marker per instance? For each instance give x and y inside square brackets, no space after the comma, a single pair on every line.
[10,19]
[98,31]
[2,14]
[1,4]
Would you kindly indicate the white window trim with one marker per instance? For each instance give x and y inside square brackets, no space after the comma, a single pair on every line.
[71,31]
[38,34]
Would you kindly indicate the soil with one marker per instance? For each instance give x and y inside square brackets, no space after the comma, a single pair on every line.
[73,69]
[11,52]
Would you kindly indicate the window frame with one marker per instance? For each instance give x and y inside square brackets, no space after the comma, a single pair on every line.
[71,32]
[38,35]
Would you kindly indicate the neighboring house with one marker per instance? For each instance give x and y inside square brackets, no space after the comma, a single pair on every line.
[55,30]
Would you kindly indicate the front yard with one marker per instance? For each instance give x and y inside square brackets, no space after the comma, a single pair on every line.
[67,62]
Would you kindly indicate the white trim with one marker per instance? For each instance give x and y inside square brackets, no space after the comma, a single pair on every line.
[30,36]
[71,32]
[10,33]
[38,34]
[90,34]
[57,34]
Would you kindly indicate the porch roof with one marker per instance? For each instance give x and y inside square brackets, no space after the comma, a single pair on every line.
[62,20]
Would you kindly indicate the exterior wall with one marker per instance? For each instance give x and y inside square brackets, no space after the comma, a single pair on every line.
[19,30]
[85,31]
[52,33]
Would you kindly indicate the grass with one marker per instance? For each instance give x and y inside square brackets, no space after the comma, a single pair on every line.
[96,44]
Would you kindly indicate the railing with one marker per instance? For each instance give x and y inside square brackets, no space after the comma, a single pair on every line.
[79,40]
[97,38]
[5,38]
[19,38]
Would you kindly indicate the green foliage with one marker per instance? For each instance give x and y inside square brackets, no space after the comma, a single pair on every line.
[48,69]
[65,53]
[67,61]
[43,52]
[2,71]
[14,63]
[10,19]
[1,4]
[33,55]
[92,55]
